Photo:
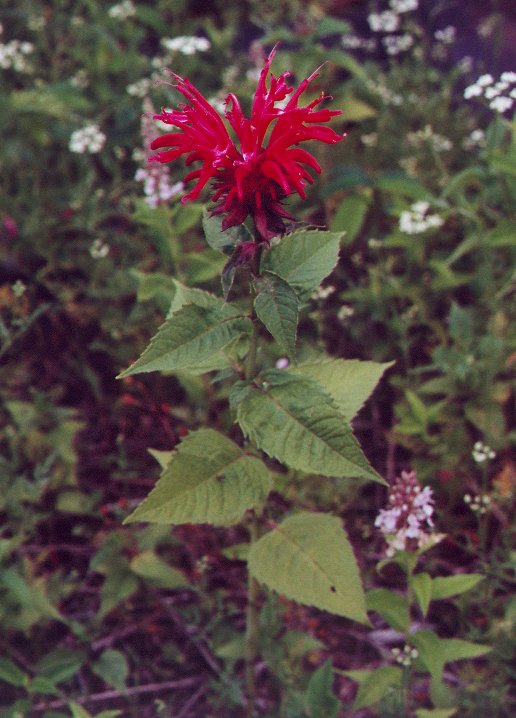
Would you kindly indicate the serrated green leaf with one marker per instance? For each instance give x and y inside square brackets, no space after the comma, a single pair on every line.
[149,566]
[209,480]
[184,295]
[159,287]
[293,420]
[191,336]
[276,306]
[447,586]
[112,667]
[162,457]
[392,607]
[376,685]
[435,652]
[304,259]
[436,712]
[309,559]
[421,584]
[349,382]
[10,673]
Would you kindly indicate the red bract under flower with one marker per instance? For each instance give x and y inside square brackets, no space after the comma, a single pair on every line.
[269,165]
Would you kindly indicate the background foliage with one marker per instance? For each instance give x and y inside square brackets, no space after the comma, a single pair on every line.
[103,619]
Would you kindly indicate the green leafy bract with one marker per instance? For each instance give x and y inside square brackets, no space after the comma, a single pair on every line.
[209,479]
[435,652]
[276,306]
[374,685]
[392,607]
[448,586]
[219,239]
[293,420]
[304,259]
[421,585]
[191,340]
[294,560]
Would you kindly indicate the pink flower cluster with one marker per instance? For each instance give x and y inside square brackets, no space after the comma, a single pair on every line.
[156,179]
[407,521]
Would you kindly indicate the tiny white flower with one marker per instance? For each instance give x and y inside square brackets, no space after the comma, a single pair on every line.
[485,80]
[88,139]
[491,92]
[401,6]
[98,249]
[501,104]
[474,90]
[122,10]
[188,45]
[140,88]
[508,76]
[386,21]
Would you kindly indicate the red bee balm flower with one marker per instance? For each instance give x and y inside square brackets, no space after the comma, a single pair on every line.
[269,165]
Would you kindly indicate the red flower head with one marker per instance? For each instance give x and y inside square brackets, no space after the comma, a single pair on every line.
[269,165]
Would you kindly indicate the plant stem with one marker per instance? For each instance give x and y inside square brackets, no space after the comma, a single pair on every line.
[251,628]
[253,587]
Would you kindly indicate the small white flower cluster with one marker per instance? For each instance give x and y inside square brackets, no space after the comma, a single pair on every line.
[407,522]
[80,79]
[156,184]
[13,55]
[447,35]
[417,220]
[500,94]
[88,139]
[140,88]
[282,363]
[345,312]
[99,249]
[401,6]
[186,44]
[439,143]
[322,292]
[479,504]
[385,93]
[122,10]
[482,452]
[370,139]
[386,21]
[394,44]
[476,138]
[406,656]
[353,42]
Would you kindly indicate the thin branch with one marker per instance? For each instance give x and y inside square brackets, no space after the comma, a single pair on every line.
[114,694]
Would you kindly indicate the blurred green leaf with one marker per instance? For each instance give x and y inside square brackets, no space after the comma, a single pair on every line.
[113,668]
